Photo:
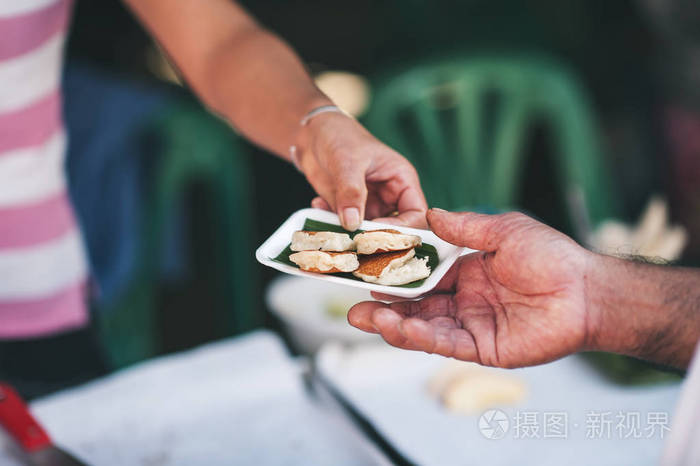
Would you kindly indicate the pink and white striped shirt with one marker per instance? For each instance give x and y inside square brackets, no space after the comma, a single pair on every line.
[43,269]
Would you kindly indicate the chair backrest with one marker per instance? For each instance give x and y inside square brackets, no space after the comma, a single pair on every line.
[195,148]
[201,148]
[463,123]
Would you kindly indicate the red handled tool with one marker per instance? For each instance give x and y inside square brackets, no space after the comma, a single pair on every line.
[29,435]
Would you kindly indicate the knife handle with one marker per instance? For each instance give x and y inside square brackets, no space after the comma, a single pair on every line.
[18,421]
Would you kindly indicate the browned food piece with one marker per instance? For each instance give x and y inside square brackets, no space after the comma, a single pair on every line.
[375,264]
[392,268]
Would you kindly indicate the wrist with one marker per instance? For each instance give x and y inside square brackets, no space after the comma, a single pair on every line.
[605,288]
[311,131]
[641,310]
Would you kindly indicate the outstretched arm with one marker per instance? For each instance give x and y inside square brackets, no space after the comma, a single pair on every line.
[240,70]
[644,310]
[255,81]
[533,295]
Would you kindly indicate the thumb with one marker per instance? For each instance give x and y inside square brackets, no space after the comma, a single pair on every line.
[475,231]
[350,197]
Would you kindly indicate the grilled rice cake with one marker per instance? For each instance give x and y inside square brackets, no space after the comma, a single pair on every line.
[382,241]
[321,241]
[325,261]
[392,268]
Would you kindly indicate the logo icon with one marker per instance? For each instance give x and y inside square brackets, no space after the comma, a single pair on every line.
[494,424]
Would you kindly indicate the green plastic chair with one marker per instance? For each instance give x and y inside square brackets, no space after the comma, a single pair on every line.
[194,148]
[463,124]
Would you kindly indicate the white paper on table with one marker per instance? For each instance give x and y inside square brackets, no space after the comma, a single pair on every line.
[388,387]
[240,401]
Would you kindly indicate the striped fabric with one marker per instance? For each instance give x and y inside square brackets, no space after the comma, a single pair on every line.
[43,271]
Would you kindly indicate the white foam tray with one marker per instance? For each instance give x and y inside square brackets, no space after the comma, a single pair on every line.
[280,239]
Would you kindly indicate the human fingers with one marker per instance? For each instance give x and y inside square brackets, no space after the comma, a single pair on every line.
[388,323]
[446,284]
[408,218]
[350,192]
[475,231]
[411,206]
[360,315]
[439,339]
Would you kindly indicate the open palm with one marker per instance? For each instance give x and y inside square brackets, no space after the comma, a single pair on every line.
[518,302]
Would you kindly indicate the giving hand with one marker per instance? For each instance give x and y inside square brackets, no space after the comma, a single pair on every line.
[357,176]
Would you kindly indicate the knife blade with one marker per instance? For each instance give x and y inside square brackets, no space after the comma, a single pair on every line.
[37,447]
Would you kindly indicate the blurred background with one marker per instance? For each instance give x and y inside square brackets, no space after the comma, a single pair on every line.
[581,113]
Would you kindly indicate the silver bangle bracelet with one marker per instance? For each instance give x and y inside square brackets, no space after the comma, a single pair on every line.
[304,121]
[319,110]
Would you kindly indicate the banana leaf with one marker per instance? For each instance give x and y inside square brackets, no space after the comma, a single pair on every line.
[424,250]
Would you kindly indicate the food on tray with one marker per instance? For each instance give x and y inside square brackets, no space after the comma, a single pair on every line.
[325,261]
[467,388]
[392,268]
[388,257]
[378,241]
[321,240]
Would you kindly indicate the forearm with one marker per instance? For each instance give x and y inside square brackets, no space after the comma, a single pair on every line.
[267,97]
[239,70]
[642,310]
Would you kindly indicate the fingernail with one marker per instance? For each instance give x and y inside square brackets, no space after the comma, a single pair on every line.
[351,218]
[438,209]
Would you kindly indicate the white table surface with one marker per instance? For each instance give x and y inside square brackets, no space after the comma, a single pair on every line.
[242,401]
[388,387]
[239,401]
